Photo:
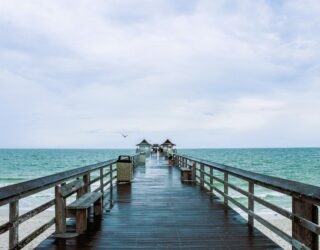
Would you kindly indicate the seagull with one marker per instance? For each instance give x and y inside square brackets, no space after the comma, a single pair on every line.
[124,136]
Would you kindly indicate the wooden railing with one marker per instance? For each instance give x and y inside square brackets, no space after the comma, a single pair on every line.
[104,173]
[305,198]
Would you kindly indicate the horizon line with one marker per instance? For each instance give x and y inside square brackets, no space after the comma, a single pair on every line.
[75,148]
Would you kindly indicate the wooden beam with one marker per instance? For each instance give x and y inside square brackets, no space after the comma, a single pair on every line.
[211,181]
[201,175]
[111,187]
[251,203]
[307,211]
[86,180]
[101,180]
[81,218]
[60,211]
[226,188]
[14,230]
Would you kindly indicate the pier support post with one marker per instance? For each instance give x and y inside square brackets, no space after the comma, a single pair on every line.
[310,212]
[202,175]
[101,188]
[87,189]
[111,186]
[226,188]
[101,180]
[86,180]
[14,230]
[193,172]
[60,211]
[211,181]
[251,204]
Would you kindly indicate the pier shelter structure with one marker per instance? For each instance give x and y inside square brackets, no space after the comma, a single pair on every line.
[144,147]
[166,146]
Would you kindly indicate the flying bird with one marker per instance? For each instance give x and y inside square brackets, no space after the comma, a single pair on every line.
[124,136]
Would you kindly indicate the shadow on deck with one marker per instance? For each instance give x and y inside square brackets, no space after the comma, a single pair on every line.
[157,211]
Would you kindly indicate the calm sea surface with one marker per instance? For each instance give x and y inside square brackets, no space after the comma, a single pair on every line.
[299,164]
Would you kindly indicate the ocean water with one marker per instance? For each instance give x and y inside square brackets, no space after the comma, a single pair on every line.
[299,164]
[17,165]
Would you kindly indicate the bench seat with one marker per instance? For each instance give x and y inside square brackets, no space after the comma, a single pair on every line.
[85,201]
[80,207]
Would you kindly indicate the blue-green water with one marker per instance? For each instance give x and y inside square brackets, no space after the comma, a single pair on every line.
[18,165]
[299,164]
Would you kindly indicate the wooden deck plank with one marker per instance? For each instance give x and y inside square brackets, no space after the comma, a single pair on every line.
[157,211]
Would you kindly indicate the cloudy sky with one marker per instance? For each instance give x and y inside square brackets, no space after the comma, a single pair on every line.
[238,73]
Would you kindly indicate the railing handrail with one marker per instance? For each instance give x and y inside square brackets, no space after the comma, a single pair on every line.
[26,188]
[305,198]
[302,190]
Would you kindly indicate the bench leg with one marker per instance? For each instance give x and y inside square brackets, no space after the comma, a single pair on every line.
[81,220]
[98,207]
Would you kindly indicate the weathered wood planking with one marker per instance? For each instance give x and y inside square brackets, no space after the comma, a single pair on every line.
[304,215]
[157,211]
[85,201]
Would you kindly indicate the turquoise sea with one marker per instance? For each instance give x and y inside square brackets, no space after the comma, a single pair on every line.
[299,164]
[18,165]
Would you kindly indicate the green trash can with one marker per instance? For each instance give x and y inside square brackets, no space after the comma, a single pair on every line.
[142,158]
[124,169]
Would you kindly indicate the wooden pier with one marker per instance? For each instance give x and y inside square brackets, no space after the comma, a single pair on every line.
[159,211]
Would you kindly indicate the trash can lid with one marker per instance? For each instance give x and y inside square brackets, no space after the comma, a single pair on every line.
[124,158]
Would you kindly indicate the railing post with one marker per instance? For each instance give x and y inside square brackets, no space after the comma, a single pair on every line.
[14,230]
[226,188]
[211,181]
[111,186]
[60,211]
[193,172]
[101,180]
[201,175]
[251,203]
[87,188]
[310,212]
[86,180]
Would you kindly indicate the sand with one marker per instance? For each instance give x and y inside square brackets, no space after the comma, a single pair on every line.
[283,224]
[27,227]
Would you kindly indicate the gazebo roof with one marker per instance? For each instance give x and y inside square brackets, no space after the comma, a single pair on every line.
[144,142]
[167,143]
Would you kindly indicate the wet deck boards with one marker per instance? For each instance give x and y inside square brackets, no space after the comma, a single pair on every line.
[159,212]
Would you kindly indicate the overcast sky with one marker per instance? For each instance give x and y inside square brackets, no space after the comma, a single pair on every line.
[203,73]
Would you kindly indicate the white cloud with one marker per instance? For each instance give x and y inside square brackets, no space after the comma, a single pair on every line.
[225,73]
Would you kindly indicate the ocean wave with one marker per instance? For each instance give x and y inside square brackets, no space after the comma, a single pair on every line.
[13,179]
[266,195]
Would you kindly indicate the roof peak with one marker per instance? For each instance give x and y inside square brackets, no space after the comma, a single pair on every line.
[144,142]
[168,142]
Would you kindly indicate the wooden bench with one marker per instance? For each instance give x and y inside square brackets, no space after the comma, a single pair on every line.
[186,175]
[79,209]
